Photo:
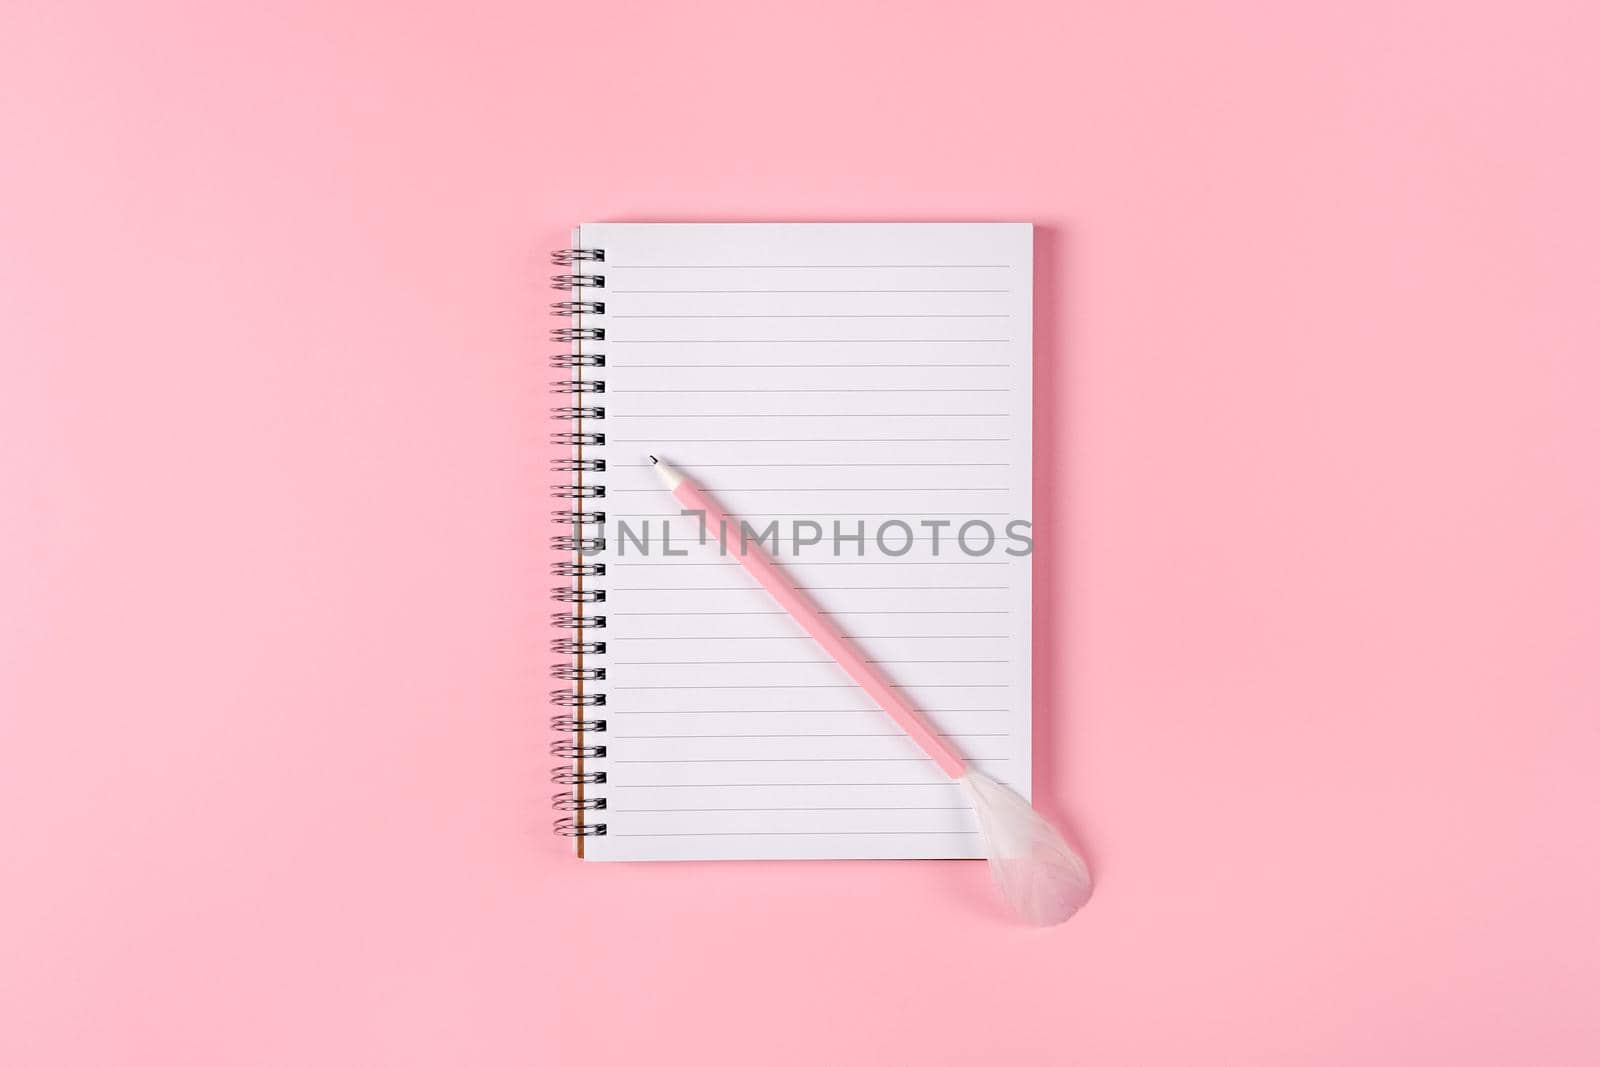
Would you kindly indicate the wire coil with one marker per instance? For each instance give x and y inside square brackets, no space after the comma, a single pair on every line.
[572,749]
[578,517]
[571,724]
[578,596]
[578,491]
[568,802]
[566,673]
[569,282]
[565,361]
[577,440]
[580,545]
[565,775]
[578,413]
[564,569]
[577,724]
[593,466]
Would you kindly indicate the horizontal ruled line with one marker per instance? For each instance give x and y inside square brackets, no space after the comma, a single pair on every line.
[852,389]
[806,266]
[809,340]
[859,637]
[779,785]
[792,366]
[796,711]
[806,759]
[945,489]
[896,807]
[802,833]
[914,611]
[750,737]
[811,440]
[771,662]
[809,588]
[815,315]
[846,291]
[841,685]
[823,415]
[780,466]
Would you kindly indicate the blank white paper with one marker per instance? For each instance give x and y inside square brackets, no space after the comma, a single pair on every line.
[855,373]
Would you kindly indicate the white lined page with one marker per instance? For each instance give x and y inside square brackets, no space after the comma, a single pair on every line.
[854,373]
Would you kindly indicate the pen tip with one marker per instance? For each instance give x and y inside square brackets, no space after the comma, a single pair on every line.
[667,473]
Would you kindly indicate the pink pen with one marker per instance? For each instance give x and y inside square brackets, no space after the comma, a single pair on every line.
[1036,871]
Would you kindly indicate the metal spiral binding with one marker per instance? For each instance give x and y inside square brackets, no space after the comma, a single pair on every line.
[578,570]
[578,492]
[568,802]
[580,545]
[578,596]
[572,724]
[566,646]
[594,465]
[564,673]
[578,413]
[577,724]
[569,282]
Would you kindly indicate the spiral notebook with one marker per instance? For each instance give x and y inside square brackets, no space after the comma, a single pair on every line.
[860,395]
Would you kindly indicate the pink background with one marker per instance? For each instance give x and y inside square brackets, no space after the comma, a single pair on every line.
[1318,498]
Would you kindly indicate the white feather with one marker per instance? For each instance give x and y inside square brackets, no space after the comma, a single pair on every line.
[1034,868]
